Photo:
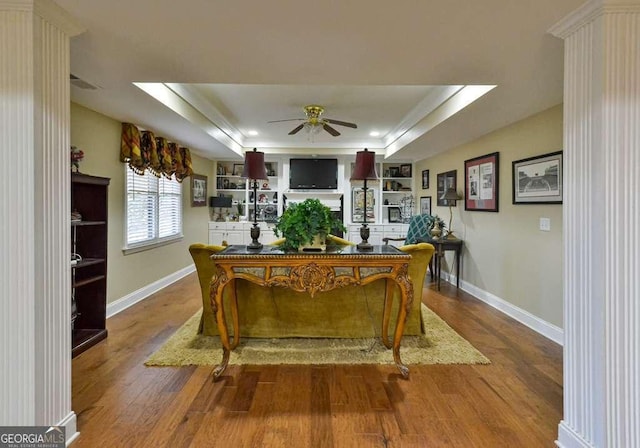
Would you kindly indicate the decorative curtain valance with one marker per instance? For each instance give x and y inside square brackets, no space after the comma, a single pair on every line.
[144,151]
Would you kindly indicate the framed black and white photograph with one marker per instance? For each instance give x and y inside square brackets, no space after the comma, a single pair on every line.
[425,205]
[198,190]
[425,179]
[538,180]
[395,214]
[394,171]
[481,183]
[445,181]
[405,170]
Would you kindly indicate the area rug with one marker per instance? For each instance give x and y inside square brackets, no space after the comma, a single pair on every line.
[440,345]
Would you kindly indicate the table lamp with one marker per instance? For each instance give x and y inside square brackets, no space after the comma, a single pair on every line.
[451,196]
[254,170]
[365,169]
[220,202]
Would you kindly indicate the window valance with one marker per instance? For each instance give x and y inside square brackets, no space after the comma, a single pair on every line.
[143,151]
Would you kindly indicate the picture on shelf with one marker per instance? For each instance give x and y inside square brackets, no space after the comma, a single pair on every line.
[405,170]
[394,214]
[394,171]
[238,168]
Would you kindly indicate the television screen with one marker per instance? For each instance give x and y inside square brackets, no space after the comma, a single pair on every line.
[313,174]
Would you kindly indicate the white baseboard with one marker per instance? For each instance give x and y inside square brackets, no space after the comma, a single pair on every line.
[70,425]
[125,302]
[550,331]
[568,438]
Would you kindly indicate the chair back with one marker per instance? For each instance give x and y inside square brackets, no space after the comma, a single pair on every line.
[419,228]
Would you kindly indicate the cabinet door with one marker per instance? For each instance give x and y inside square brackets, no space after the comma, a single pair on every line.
[375,238]
[235,237]
[216,237]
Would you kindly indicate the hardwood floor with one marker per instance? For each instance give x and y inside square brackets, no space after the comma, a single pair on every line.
[514,402]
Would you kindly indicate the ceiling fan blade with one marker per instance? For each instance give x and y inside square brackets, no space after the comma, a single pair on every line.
[330,130]
[290,119]
[296,129]
[341,123]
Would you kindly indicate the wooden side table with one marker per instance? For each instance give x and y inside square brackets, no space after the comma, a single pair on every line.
[442,245]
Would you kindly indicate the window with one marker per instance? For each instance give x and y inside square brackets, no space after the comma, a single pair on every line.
[154,210]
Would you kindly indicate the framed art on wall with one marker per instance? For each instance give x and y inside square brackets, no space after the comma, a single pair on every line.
[445,181]
[425,179]
[481,183]
[425,205]
[538,180]
[198,190]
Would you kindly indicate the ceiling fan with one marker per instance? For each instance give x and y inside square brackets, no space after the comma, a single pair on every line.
[314,121]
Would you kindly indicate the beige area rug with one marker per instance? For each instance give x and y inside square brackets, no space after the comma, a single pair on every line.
[440,345]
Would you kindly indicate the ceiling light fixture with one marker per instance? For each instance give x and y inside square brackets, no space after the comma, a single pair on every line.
[374,133]
[252,133]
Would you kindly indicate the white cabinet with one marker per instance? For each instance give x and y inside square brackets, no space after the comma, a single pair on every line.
[377,232]
[395,230]
[229,232]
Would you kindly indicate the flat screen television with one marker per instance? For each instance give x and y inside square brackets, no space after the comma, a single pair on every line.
[313,174]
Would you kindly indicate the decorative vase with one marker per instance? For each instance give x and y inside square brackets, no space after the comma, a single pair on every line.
[436,231]
[319,244]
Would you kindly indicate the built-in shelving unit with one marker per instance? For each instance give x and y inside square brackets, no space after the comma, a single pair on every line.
[89,260]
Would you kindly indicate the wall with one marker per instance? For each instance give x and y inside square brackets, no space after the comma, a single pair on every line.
[505,253]
[99,137]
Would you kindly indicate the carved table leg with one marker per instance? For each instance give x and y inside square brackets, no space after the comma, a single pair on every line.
[218,282]
[386,316]
[406,295]
[234,314]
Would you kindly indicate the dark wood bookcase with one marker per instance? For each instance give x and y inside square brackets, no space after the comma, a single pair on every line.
[89,275]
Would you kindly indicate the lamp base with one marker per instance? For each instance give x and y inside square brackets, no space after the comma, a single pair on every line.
[364,234]
[255,234]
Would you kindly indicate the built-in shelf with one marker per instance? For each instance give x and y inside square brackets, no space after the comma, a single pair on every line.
[88,276]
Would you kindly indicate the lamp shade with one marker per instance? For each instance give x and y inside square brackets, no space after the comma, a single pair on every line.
[451,195]
[365,167]
[220,201]
[254,168]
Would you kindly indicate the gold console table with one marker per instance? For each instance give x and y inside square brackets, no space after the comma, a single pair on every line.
[312,273]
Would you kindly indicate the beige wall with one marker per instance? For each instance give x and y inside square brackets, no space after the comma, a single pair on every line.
[505,253]
[99,137]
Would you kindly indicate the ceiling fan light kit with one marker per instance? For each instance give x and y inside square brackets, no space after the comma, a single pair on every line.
[314,122]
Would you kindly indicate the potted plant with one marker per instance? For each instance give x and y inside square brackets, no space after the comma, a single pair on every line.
[304,222]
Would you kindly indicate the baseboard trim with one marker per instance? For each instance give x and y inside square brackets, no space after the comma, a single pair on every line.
[568,438]
[70,425]
[550,331]
[125,302]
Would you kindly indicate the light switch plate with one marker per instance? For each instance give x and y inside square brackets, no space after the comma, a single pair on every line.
[545,224]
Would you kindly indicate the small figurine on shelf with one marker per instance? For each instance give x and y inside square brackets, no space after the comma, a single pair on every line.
[76,157]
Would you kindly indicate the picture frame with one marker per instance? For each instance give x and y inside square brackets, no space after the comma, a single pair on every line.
[198,190]
[269,168]
[394,214]
[405,170]
[445,181]
[238,168]
[357,209]
[425,205]
[425,179]
[538,179]
[394,171]
[481,183]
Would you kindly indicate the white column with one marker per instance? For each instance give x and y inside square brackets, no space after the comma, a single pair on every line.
[601,225]
[35,346]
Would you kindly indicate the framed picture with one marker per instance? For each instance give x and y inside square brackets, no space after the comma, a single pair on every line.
[357,209]
[198,190]
[425,179]
[538,180]
[405,170]
[481,183]
[425,205]
[394,214]
[238,168]
[445,181]
[394,171]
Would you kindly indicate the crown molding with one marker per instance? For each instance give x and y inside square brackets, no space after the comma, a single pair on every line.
[47,10]
[589,12]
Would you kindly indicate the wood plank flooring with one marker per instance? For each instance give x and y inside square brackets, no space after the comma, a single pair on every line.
[514,402]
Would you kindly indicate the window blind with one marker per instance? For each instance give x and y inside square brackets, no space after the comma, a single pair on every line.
[154,209]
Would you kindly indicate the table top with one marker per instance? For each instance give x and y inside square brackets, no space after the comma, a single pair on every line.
[332,251]
[443,241]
